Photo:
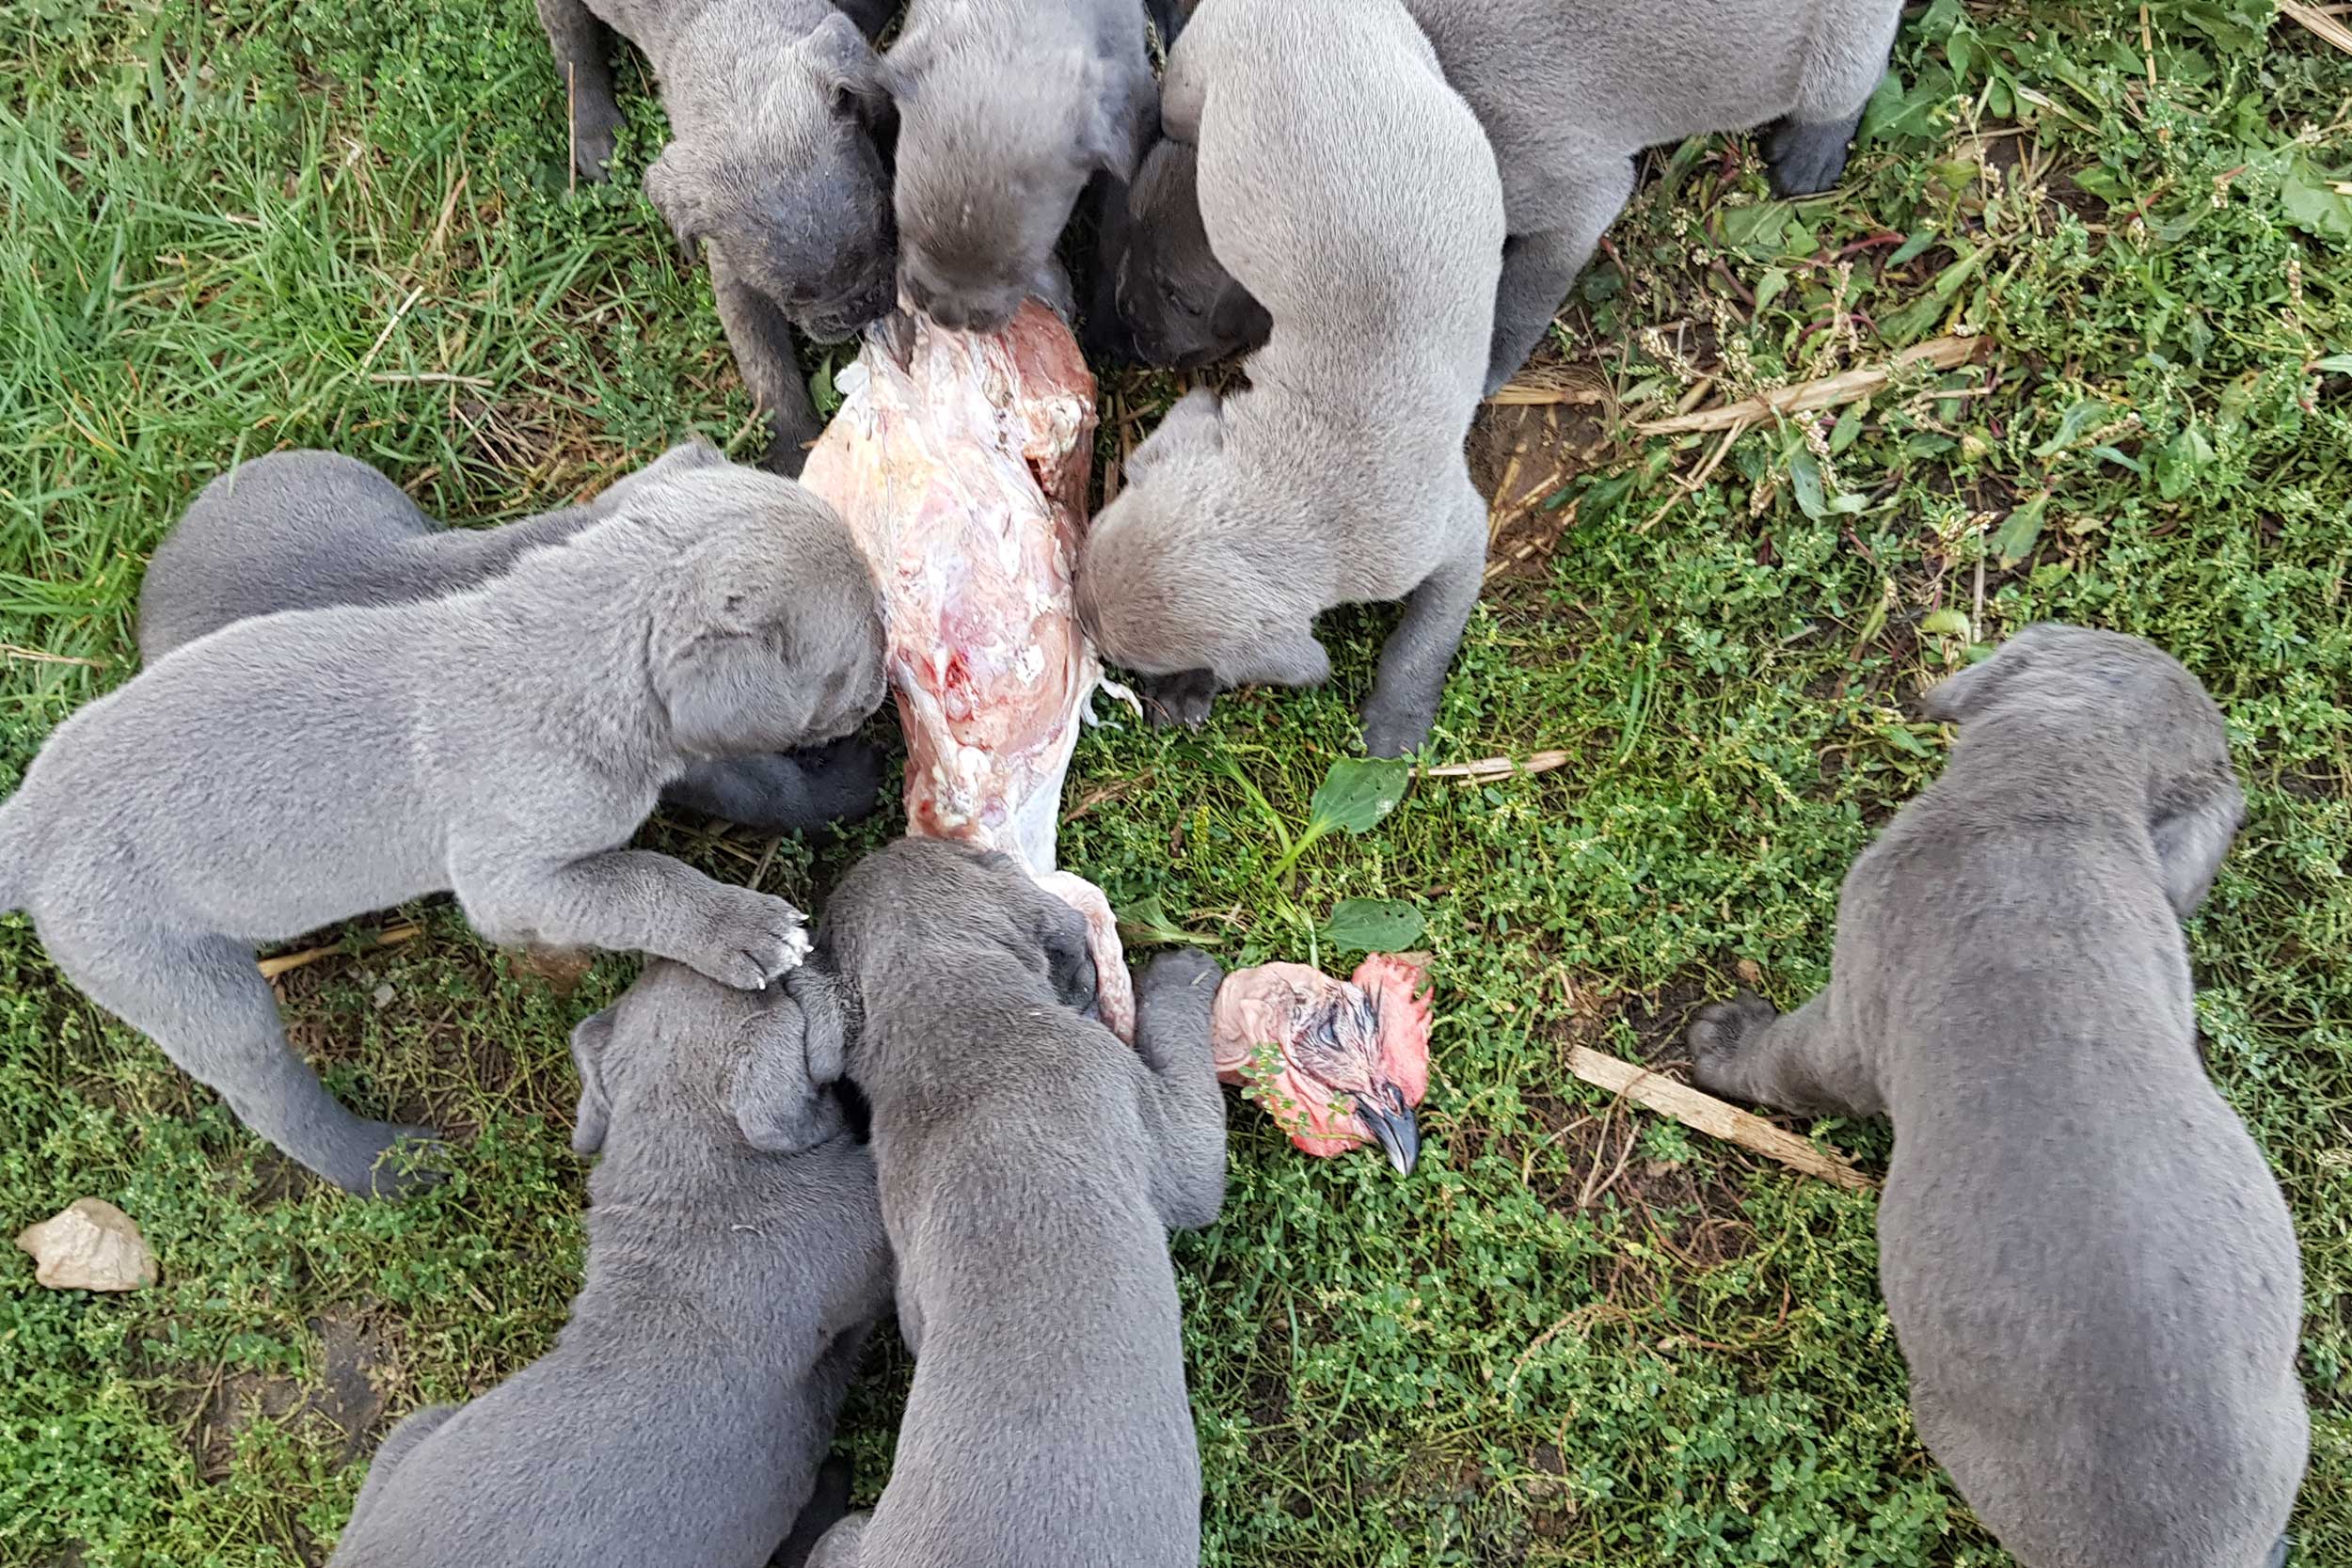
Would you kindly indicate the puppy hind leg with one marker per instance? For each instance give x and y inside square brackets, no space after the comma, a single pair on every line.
[581,44]
[1800,1061]
[204,1002]
[1184,1109]
[1539,269]
[761,340]
[842,1545]
[398,1444]
[1411,678]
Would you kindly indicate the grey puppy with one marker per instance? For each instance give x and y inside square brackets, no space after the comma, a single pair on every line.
[1569,93]
[2091,1270]
[736,1263]
[1355,194]
[775,107]
[287,772]
[1007,109]
[313,530]
[1031,1165]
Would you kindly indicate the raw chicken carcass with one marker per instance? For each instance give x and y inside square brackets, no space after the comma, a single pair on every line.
[961,461]
[1336,1063]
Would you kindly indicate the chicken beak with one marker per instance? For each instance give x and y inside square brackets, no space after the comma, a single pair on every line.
[1392,1125]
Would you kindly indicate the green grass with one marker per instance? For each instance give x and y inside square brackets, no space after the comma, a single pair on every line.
[1576,1334]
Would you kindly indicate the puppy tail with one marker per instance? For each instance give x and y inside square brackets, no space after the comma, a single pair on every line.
[827,1507]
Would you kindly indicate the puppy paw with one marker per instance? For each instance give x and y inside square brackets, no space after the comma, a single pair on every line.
[1183,699]
[750,938]
[1715,1038]
[388,1160]
[594,131]
[1389,733]
[1806,160]
[1179,970]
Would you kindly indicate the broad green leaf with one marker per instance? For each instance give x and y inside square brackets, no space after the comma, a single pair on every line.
[1144,923]
[1912,247]
[2335,364]
[1946,622]
[2105,183]
[2084,415]
[1357,793]
[2183,458]
[1372,926]
[2014,539]
[2315,206]
[1805,478]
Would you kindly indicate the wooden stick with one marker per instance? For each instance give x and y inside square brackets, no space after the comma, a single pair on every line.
[1523,395]
[1488,768]
[2320,22]
[1943,354]
[1712,1117]
[390,936]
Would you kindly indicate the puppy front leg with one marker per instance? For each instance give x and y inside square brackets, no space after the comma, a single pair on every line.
[1184,1109]
[629,902]
[582,43]
[761,340]
[1539,269]
[1411,679]
[1800,1061]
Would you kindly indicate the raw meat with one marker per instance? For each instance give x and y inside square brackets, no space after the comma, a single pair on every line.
[1336,1063]
[961,461]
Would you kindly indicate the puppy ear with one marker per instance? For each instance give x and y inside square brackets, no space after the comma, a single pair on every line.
[847,64]
[724,665]
[675,187]
[1954,699]
[2192,824]
[1062,931]
[826,1024]
[775,1097]
[595,1114]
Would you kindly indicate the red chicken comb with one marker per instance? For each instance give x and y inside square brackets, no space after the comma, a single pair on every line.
[1336,1063]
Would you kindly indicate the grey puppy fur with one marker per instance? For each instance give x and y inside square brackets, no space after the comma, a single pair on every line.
[1354,193]
[1006,108]
[774,107]
[2091,1269]
[1031,1165]
[1569,93]
[297,769]
[735,1263]
[313,529]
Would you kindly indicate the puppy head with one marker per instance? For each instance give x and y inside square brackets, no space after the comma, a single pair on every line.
[1179,573]
[993,149]
[794,194]
[767,634]
[921,905]
[2116,696]
[1183,308]
[681,1061]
